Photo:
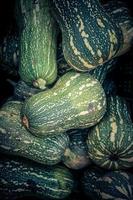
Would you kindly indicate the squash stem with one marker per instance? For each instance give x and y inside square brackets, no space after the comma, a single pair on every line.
[39,83]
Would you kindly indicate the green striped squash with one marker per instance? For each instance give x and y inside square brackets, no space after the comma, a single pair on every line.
[38,65]
[101,72]
[122,16]
[90,36]
[75,155]
[68,105]
[110,142]
[90,183]
[100,184]
[20,178]
[116,185]
[16,140]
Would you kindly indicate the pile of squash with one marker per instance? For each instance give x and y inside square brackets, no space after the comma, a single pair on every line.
[65,130]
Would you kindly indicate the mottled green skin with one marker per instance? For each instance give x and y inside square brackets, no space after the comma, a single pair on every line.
[38,48]
[122,16]
[16,140]
[116,185]
[90,184]
[100,184]
[9,51]
[23,91]
[118,10]
[76,156]
[68,105]
[101,71]
[22,7]
[90,36]
[110,142]
[22,178]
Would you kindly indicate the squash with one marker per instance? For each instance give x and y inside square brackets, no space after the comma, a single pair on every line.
[9,50]
[109,86]
[116,185]
[62,66]
[23,91]
[89,182]
[101,71]
[110,142]
[90,36]
[16,140]
[100,184]
[20,178]
[122,16]
[68,105]
[38,65]
[76,156]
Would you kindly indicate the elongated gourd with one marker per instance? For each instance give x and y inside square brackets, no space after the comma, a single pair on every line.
[68,105]
[110,142]
[75,155]
[90,37]
[20,178]
[37,44]
[16,140]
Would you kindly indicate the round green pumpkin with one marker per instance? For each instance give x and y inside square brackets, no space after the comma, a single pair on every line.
[110,142]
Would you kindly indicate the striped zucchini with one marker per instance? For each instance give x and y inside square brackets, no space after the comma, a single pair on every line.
[68,105]
[37,44]
[90,36]
[16,140]
[116,185]
[76,156]
[20,178]
[110,142]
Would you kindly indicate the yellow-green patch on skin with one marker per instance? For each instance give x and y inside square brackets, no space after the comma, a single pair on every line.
[81,28]
[111,52]
[85,63]
[99,53]
[89,47]
[113,132]
[100,23]
[84,34]
[100,61]
[75,50]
